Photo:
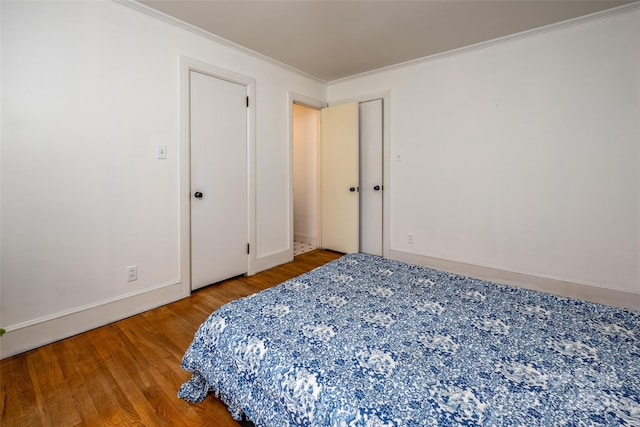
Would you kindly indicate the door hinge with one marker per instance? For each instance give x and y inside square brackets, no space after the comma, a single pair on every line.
[248,249]
[247,102]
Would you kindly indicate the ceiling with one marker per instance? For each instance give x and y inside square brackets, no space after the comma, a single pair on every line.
[335,39]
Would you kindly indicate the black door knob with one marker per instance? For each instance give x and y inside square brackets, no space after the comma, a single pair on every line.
[352,189]
[197,195]
[376,188]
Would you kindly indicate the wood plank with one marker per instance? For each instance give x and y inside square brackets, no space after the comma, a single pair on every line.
[128,372]
[74,353]
[52,389]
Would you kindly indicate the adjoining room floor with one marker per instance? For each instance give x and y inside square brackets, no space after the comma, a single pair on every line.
[300,248]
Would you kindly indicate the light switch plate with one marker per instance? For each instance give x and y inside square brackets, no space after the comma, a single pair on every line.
[161,151]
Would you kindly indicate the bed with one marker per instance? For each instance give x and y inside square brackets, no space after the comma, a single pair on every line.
[368,341]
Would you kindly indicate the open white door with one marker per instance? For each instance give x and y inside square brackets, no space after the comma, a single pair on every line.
[219,202]
[339,178]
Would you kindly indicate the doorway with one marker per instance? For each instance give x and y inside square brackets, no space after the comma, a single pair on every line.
[306,196]
[306,166]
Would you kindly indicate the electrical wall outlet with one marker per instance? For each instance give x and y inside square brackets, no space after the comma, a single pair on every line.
[132,273]
[410,238]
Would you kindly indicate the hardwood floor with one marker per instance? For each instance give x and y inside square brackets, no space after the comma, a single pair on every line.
[128,373]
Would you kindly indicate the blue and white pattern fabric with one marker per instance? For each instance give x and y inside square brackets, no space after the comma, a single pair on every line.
[367,341]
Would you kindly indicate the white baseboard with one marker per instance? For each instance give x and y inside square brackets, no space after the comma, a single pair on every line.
[272,260]
[561,288]
[36,334]
[19,339]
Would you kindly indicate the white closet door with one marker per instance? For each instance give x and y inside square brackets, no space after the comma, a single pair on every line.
[371,191]
[339,178]
[219,202]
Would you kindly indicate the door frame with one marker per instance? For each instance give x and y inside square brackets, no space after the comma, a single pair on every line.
[316,104]
[386,159]
[186,66]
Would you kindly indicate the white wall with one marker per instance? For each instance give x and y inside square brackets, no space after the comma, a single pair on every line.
[88,91]
[306,123]
[521,156]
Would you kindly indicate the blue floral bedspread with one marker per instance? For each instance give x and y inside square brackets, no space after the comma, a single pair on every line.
[367,341]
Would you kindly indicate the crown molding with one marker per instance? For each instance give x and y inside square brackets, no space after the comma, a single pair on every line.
[465,49]
[215,38]
[500,40]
